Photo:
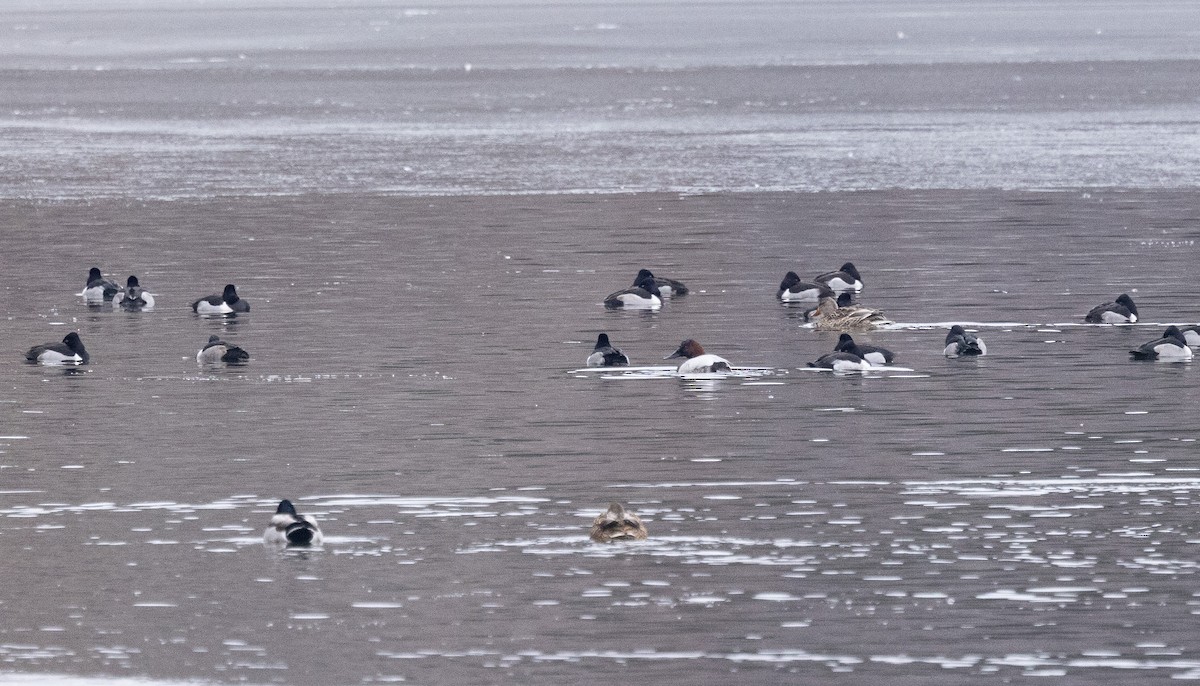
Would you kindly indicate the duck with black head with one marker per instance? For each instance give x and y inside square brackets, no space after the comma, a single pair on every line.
[1172,347]
[667,288]
[99,289]
[845,280]
[290,528]
[963,343]
[793,290]
[871,353]
[643,295]
[605,355]
[1120,311]
[226,303]
[69,351]
[133,298]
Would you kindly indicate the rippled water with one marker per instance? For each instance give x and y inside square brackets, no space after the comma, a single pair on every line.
[414,382]
[426,265]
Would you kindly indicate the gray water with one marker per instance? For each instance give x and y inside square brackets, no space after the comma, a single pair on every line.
[415,348]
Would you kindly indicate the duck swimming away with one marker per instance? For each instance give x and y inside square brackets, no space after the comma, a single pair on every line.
[98,288]
[605,355]
[961,343]
[617,524]
[292,529]
[133,298]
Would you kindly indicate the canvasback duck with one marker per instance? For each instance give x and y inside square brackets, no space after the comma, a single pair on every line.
[871,353]
[960,342]
[830,316]
[840,361]
[605,355]
[226,303]
[217,350]
[1172,346]
[845,279]
[667,288]
[292,529]
[1191,334]
[98,288]
[133,298]
[644,295]
[617,524]
[69,351]
[698,361]
[793,290]
[1121,311]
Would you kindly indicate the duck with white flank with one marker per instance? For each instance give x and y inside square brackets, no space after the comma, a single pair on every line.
[134,298]
[871,353]
[605,355]
[226,303]
[1191,334]
[70,351]
[698,361]
[1172,346]
[844,280]
[618,524]
[217,351]
[667,288]
[98,289]
[834,316]
[289,528]
[1121,311]
[961,343]
[793,290]
[643,295]
[840,361]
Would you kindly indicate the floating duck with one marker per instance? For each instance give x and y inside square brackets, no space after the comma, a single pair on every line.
[830,316]
[289,528]
[217,350]
[1121,311]
[226,303]
[1191,334]
[617,524]
[698,361]
[845,279]
[667,288]
[841,362]
[793,290]
[605,355]
[959,343]
[1172,346]
[70,351]
[98,288]
[134,297]
[643,295]
[871,353]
